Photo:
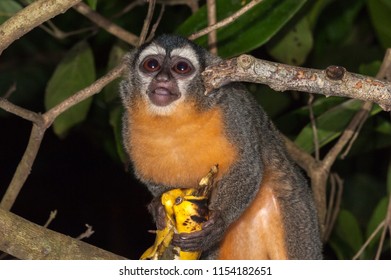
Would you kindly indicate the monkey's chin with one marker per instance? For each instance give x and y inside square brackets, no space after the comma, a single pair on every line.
[162,97]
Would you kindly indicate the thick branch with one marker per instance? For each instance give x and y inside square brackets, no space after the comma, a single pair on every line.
[26,240]
[333,81]
[30,17]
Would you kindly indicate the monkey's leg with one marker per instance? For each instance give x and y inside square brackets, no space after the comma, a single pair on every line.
[259,231]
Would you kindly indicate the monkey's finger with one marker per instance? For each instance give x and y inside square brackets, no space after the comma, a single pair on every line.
[199,240]
[159,215]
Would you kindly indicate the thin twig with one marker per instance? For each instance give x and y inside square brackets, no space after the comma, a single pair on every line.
[370,238]
[24,168]
[225,21]
[83,94]
[212,36]
[87,233]
[356,132]
[19,111]
[10,91]
[147,22]
[313,126]
[330,205]
[52,216]
[347,134]
[107,25]
[129,7]
[57,33]
[156,24]
[334,205]
[387,221]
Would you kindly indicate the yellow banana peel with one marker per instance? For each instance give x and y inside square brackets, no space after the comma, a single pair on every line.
[186,210]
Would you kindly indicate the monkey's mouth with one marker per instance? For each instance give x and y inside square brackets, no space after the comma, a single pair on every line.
[162,96]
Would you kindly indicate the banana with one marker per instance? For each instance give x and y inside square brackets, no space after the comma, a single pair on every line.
[186,210]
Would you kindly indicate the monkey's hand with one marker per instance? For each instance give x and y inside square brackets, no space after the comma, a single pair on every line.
[211,233]
[156,208]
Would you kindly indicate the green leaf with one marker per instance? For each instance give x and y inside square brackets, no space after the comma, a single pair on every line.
[330,124]
[92,3]
[293,46]
[370,69]
[249,31]
[7,9]
[316,10]
[378,215]
[111,91]
[116,124]
[380,11]
[75,72]
[347,237]
[389,178]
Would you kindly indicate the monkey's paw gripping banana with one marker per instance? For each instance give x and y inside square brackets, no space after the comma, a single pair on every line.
[186,210]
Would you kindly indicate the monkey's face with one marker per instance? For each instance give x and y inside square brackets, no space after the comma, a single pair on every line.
[167,76]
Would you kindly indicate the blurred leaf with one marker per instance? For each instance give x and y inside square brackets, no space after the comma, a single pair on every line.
[316,11]
[75,72]
[111,91]
[7,9]
[380,11]
[370,69]
[330,124]
[294,46]
[340,27]
[347,237]
[116,124]
[389,178]
[92,3]
[378,215]
[249,31]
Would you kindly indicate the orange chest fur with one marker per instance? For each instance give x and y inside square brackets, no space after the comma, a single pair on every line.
[179,149]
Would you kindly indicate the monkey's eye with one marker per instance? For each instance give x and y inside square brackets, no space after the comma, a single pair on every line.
[151,64]
[182,67]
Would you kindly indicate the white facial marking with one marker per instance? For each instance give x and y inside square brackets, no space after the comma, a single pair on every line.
[188,53]
[185,52]
[152,49]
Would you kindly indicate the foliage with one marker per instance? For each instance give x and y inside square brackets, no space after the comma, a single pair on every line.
[352,33]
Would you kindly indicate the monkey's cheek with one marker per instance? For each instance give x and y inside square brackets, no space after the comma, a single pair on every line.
[162,97]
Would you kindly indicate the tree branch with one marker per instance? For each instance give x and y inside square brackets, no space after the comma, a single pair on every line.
[212,36]
[333,81]
[225,21]
[30,17]
[40,124]
[26,240]
[104,23]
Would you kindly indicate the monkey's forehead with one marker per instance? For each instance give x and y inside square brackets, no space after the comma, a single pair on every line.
[186,52]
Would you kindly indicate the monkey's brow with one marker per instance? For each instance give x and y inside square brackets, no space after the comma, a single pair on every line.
[188,53]
[152,50]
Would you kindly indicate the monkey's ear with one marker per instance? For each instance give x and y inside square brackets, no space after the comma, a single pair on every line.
[130,57]
[211,59]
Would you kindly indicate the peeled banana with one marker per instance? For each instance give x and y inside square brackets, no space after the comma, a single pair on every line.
[186,210]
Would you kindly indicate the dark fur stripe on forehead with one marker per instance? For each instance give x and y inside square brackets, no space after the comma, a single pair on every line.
[170,42]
